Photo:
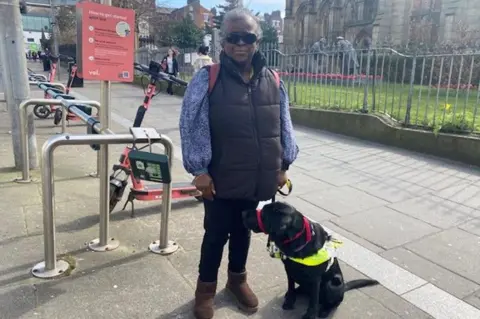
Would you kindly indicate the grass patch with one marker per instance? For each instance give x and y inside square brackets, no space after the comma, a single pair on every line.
[441,110]
[437,110]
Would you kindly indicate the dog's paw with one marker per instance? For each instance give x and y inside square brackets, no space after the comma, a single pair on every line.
[289,302]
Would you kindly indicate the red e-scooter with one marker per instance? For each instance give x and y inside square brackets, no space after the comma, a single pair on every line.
[44,111]
[57,118]
[122,171]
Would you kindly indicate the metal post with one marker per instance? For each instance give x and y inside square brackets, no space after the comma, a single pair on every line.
[165,246]
[104,243]
[99,161]
[24,129]
[52,267]
[64,121]
[16,82]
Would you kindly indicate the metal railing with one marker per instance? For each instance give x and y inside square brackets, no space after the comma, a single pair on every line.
[57,85]
[440,92]
[51,267]
[433,91]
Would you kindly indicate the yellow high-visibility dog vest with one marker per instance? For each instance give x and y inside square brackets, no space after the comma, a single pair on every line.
[327,253]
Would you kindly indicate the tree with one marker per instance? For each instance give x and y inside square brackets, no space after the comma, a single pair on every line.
[270,34]
[185,34]
[144,11]
[224,8]
[67,25]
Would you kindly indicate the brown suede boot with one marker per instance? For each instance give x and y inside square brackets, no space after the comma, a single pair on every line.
[238,287]
[204,295]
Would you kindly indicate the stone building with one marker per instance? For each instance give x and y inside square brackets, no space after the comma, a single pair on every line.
[198,13]
[382,21]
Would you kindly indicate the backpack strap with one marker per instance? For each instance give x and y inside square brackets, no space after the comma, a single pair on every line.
[276,76]
[213,72]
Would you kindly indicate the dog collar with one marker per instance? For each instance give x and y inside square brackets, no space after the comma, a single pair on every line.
[260,221]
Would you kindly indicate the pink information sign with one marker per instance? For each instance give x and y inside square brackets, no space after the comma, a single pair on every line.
[107,42]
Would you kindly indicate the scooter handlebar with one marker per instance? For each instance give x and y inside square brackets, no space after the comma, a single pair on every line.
[178,81]
[160,75]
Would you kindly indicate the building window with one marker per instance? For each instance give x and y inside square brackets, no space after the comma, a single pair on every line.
[449,23]
[33,23]
[206,17]
[30,40]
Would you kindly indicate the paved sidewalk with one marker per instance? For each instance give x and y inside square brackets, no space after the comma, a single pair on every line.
[409,221]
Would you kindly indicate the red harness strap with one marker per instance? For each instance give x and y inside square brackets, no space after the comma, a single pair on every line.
[260,221]
[306,229]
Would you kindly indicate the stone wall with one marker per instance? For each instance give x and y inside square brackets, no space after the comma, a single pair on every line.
[391,24]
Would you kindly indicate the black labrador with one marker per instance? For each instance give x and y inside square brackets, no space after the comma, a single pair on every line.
[299,244]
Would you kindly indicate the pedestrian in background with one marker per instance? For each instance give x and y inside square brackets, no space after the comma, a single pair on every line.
[348,56]
[170,65]
[203,59]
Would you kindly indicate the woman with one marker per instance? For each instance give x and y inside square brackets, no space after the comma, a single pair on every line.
[170,66]
[203,59]
[238,142]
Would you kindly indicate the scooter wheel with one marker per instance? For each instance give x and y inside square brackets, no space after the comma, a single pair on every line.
[199,198]
[57,118]
[113,197]
[41,111]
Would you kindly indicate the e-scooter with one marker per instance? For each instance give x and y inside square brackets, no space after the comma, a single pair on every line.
[57,118]
[44,111]
[122,171]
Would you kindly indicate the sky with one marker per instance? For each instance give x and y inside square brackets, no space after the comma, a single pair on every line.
[264,6]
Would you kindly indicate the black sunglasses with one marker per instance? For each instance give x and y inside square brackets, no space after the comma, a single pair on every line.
[246,38]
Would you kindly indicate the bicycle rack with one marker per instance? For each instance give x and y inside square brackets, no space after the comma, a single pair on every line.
[23,109]
[52,267]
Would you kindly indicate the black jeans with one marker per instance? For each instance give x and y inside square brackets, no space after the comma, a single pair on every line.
[223,221]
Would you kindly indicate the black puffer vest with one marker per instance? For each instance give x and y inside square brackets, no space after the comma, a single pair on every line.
[245,131]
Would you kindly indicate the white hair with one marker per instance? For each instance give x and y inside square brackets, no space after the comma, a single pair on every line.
[240,14]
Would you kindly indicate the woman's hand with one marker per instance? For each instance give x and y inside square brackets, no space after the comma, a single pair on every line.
[282,178]
[204,184]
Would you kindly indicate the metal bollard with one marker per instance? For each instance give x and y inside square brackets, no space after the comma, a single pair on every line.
[24,132]
[163,246]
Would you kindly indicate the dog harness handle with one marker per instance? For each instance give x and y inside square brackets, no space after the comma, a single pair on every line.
[289,188]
